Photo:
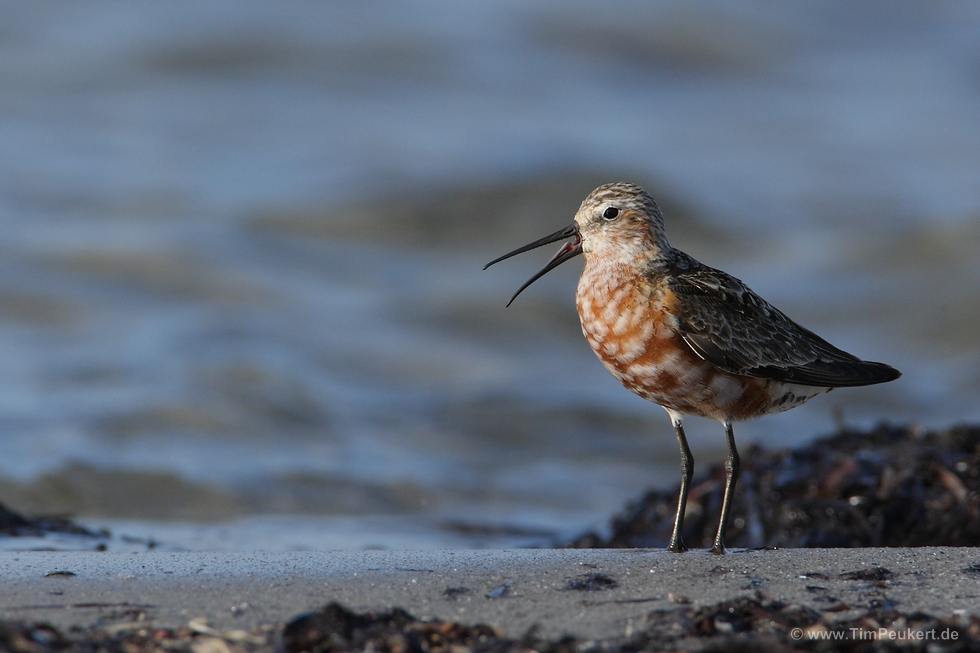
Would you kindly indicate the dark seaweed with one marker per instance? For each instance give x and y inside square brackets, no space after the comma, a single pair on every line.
[891,486]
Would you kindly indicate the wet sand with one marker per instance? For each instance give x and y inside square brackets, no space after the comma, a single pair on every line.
[594,595]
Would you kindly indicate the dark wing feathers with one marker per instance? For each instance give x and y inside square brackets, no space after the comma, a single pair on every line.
[730,326]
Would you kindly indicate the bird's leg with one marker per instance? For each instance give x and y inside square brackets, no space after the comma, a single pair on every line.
[731,476]
[687,472]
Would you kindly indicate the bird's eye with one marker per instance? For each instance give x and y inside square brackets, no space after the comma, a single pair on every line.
[610,213]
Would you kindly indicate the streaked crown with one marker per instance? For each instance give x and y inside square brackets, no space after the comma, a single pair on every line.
[621,217]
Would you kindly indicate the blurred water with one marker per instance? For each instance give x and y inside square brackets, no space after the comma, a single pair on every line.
[241,303]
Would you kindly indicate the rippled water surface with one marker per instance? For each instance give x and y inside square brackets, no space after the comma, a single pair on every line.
[241,296]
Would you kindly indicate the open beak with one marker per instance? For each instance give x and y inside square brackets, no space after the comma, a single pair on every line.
[567,252]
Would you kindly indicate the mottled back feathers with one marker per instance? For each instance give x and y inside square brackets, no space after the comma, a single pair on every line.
[730,326]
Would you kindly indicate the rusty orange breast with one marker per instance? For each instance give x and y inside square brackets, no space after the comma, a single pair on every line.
[631,325]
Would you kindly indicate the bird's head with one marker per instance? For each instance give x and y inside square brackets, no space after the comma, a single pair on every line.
[618,222]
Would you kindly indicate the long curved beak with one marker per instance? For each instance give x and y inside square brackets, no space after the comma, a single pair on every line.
[567,252]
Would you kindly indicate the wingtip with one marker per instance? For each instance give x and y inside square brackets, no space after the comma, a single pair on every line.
[877,373]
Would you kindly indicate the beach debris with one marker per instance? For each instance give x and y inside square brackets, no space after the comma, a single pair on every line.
[499,591]
[591,583]
[14,524]
[60,574]
[678,598]
[335,628]
[455,593]
[889,486]
[746,623]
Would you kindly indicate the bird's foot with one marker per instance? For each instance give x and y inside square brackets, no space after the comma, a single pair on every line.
[676,546]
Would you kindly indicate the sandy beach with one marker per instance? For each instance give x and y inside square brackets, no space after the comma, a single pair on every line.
[590,594]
